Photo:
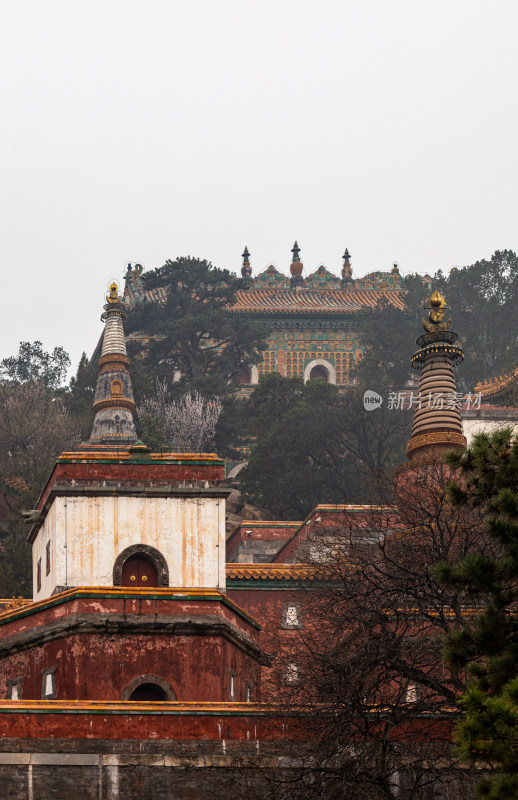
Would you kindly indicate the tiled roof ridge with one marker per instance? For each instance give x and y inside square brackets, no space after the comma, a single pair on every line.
[308,300]
[278,571]
[173,593]
[270,291]
[494,386]
[338,507]
[274,523]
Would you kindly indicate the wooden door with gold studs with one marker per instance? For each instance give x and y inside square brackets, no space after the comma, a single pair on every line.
[138,571]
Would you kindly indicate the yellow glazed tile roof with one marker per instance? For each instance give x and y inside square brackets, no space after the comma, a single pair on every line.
[279,572]
[496,386]
[310,301]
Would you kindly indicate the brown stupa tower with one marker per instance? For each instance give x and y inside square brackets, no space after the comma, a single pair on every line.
[437,424]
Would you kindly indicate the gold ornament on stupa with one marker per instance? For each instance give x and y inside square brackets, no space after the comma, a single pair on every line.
[113,296]
[435,321]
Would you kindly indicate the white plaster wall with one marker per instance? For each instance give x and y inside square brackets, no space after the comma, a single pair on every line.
[57,556]
[470,427]
[88,533]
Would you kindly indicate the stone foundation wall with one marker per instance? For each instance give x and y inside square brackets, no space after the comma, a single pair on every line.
[60,769]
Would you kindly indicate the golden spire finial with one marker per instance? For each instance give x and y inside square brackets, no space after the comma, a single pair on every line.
[435,321]
[113,296]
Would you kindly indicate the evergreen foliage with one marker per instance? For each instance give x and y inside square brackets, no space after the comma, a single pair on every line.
[386,335]
[314,445]
[35,427]
[35,363]
[487,646]
[197,341]
[80,395]
[483,298]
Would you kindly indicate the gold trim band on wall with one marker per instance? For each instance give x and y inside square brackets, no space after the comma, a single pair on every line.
[439,437]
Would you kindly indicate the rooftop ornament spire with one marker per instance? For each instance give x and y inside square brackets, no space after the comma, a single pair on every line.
[347,270]
[437,425]
[246,269]
[296,267]
[113,400]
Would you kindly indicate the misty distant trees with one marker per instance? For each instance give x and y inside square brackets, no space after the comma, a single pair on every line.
[312,444]
[35,426]
[196,341]
[483,302]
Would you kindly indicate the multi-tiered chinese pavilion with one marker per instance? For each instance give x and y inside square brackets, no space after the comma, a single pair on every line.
[312,319]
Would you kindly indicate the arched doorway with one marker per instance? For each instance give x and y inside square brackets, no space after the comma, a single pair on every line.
[140,565]
[148,692]
[148,688]
[244,378]
[320,369]
[319,373]
[139,571]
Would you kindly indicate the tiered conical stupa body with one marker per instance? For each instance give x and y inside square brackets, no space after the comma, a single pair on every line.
[113,401]
[437,424]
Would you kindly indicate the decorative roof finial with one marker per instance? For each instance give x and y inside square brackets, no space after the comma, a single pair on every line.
[435,321]
[296,267]
[246,269]
[347,272]
[113,296]
[395,268]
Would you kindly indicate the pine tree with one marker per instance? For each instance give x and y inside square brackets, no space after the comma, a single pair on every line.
[196,341]
[487,644]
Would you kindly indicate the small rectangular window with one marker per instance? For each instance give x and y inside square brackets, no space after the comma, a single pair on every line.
[292,616]
[248,693]
[232,686]
[38,576]
[47,565]
[291,673]
[411,693]
[48,684]
[14,689]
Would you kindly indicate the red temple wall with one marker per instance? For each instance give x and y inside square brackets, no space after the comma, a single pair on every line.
[100,666]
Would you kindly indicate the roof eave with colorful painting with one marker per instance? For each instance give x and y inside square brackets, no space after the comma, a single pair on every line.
[272,576]
[502,388]
[321,293]
[310,302]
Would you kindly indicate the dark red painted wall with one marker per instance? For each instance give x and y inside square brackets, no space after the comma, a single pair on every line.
[99,666]
[231,722]
[132,473]
[273,534]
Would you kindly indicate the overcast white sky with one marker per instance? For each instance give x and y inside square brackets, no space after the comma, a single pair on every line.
[140,131]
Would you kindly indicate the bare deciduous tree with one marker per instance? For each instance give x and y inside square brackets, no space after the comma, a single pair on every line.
[34,428]
[191,420]
[368,663]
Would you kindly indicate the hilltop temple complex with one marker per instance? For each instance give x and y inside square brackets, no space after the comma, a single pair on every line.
[313,320]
